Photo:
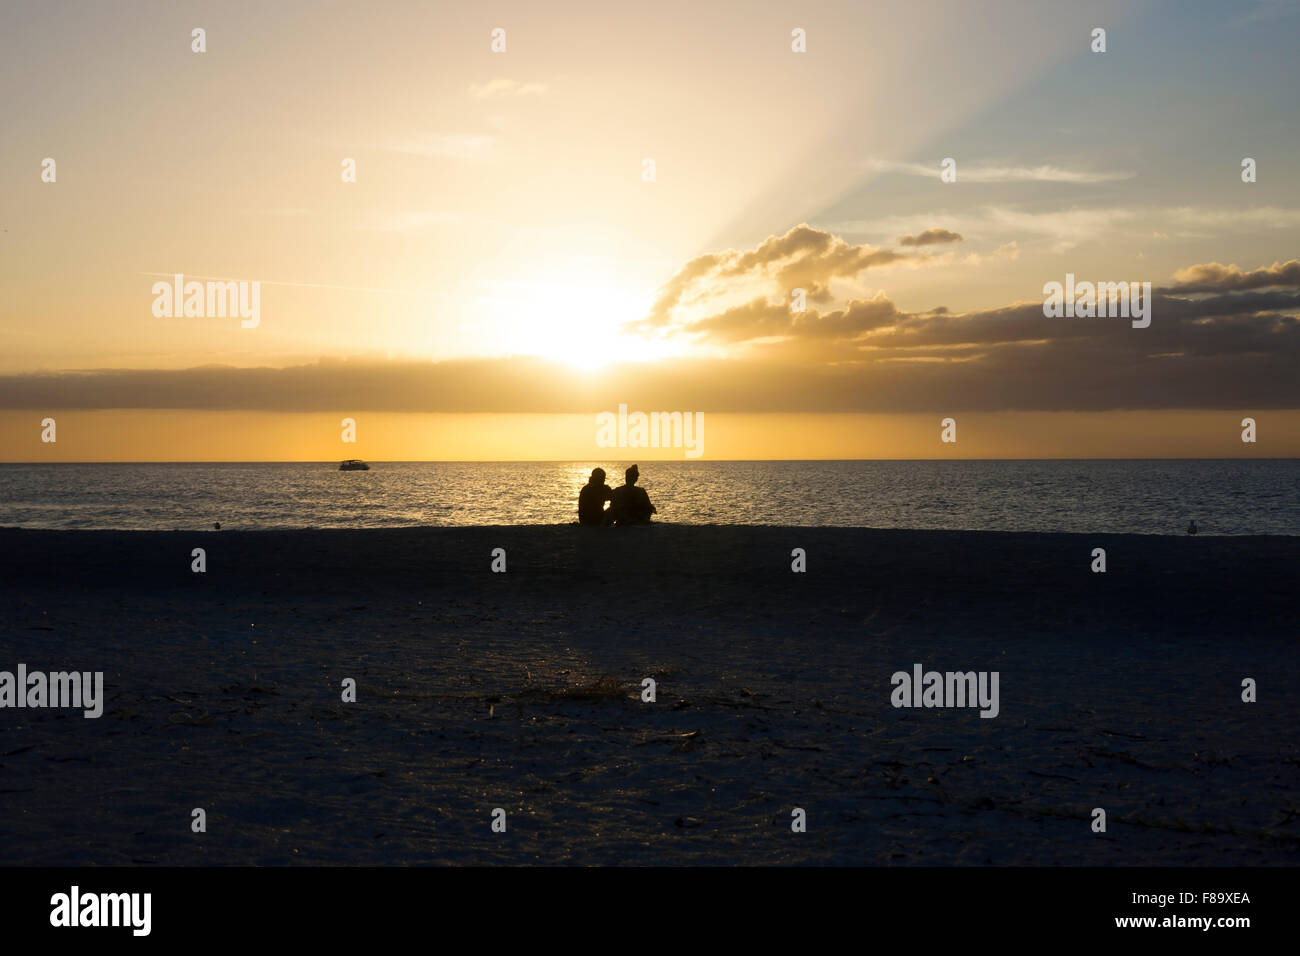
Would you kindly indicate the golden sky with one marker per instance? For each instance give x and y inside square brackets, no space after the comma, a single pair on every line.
[169,435]
[668,207]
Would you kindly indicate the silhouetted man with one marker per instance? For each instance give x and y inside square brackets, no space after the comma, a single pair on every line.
[630,504]
[592,498]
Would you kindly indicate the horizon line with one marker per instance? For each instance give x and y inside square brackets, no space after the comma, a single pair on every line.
[657,461]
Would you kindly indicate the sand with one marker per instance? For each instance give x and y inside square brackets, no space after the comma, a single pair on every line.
[521,690]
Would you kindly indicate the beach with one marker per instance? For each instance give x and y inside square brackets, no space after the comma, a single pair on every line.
[522,690]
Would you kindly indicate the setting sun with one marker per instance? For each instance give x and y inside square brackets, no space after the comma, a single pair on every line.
[572,319]
[588,434]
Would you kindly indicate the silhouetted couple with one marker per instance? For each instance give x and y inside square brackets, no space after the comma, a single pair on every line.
[627,505]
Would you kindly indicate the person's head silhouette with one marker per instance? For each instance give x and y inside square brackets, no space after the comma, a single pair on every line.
[631,475]
[597,476]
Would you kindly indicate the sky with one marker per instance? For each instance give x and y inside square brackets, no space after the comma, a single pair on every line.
[625,206]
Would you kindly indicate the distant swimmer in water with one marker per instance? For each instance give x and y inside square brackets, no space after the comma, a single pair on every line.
[630,504]
[1191,527]
[592,498]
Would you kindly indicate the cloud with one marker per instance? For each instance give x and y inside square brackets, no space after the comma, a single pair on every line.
[1002,174]
[760,319]
[501,87]
[1240,321]
[1201,347]
[1215,277]
[930,237]
[804,257]
[1221,337]
[1065,228]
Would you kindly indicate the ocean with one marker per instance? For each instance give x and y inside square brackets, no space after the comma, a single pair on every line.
[1224,496]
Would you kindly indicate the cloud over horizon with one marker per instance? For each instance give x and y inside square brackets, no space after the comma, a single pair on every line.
[805,257]
[1215,277]
[1220,337]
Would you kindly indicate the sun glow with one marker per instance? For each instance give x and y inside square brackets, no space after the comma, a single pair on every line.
[572,320]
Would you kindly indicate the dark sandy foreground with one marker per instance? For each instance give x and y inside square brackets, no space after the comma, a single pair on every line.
[521,691]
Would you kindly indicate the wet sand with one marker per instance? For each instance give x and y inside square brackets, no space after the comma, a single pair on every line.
[521,690]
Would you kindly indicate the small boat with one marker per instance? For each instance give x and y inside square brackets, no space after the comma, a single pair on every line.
[354,464]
